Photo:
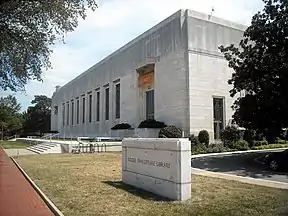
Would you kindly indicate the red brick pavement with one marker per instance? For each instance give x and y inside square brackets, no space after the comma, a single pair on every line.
[17,196]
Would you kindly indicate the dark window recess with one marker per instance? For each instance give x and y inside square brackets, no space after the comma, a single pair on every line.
[68,109]
[55,110]
[90,108]
[77,111]
[218,116]
[83,110]
[107,104]
[63,115]
[117,102]
[72,113]
[98,107]
[150,104]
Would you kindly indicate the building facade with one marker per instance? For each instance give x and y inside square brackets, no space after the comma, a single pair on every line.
[173,73]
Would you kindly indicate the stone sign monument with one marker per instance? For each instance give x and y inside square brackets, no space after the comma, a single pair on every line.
[161,166]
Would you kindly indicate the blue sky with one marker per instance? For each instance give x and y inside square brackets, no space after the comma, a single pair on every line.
[115,23]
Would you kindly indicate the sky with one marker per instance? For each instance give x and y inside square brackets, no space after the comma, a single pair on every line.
[112,25]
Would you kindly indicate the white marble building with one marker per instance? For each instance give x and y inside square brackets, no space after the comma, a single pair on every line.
[173,73]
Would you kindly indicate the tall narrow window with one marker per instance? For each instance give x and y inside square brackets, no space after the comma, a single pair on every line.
[72,113]
[117,102]
[83,110]
[90,107]
[98,106]
[77,111]
[68,109]
[150,104]
[218,115]
[55,110]
[107,104]
[63,114]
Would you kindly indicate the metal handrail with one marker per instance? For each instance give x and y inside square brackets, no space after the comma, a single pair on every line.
[13,137]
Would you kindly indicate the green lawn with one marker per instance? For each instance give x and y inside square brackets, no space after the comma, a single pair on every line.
[90,184]
[14,144]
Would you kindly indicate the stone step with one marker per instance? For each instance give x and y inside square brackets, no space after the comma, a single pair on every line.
[37,151]
[48,144]
[44,148]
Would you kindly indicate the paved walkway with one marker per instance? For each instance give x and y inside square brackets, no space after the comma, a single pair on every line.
[17,196]
[18,152]
[240,165]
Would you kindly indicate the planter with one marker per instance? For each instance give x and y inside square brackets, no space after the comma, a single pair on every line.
[122,133]
[147,132]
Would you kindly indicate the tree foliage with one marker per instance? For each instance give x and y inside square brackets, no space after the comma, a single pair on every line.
[27,31]
[261,69]
[11,120]
[37,118]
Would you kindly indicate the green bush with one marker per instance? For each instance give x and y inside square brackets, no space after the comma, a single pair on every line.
[240,145]
[280,141]
[258,136]
[203,137]
[151,123]
[198,149]
[170,132]
[217,148]
[229,135]
[270,146]
[249,135]
[121,126]
[213,148]
[194,140]
[260,143]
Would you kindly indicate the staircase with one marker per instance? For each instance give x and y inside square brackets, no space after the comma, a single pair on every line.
[46,148]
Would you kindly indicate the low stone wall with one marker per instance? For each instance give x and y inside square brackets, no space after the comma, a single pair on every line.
[97,147]
[147,132]
[67,146]
[136,133]
[161,166]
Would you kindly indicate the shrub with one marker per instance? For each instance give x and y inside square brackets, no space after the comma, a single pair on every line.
[270,146]
[121,126]
[194,140]
[280,141]
[203,137]
[217,148]
[170,132]
[260,143]
[259,136]
[213,148]
[198,149]
[229,135]
[240,145]
[151,123]
[248,136]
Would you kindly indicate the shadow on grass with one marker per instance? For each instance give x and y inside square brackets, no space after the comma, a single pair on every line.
[136,191]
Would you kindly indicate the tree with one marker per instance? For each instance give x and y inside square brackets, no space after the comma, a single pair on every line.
[27,31]
[10,117]
[37,117]
[261,70]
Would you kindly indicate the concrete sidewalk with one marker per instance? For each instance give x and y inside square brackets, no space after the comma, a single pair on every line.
[249,180]
[18,152]
[236,152]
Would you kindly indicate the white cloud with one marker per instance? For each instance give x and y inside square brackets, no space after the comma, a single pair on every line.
[115,23]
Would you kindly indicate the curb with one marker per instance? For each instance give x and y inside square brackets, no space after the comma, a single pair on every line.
[247,180]
[235,152]
[47,201]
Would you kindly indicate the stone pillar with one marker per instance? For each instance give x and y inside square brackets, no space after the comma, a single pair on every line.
[161,166]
